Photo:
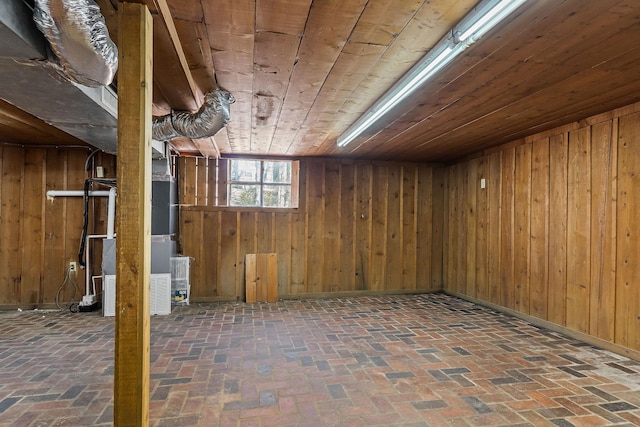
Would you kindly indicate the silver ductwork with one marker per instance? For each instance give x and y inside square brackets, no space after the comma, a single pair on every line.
[19,37]
[31,82]
[212,116]
[77,34]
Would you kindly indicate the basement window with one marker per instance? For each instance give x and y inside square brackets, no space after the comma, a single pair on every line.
[263,183]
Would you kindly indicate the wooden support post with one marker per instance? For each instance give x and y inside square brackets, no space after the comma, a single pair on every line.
[133,221]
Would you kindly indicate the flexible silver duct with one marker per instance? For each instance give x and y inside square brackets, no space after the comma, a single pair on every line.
[78,36]
[212,116]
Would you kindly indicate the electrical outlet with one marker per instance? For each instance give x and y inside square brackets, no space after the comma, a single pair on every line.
[73,267]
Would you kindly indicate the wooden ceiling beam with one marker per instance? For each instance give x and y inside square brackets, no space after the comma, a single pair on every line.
[206,146]
[167,19]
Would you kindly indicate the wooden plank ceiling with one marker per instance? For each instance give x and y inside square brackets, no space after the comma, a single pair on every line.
[302,71]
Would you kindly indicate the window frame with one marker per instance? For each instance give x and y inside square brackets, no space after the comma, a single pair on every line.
[293,185]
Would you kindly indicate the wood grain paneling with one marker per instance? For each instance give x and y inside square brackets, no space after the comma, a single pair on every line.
[38,237]
[627,310]
[539,261]
[557,286]
[564,204]
[578,229]
[361,226]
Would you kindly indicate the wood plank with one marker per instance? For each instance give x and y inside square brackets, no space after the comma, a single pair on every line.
[202,190]
[319,49]
[262,278]
[494,226]
[603,229]
[348,228]
[282,16]
[522,229]
[210,254]
[507,229]
[452,228]
[265,232]
[627,315]
[13,164]
[409,230]
[178,75]
[229,229]
[429,216]
[275,56]
[331,236]
[54,228]
[252,278]
[579,230]
[197,50]
[352,66]
[191,233]
[283,243]
[363,225]
[435,264]
[247,244]
[167,20]
[33,231]
[188,181]
[299,237]
[380,195]
[74,216]
[295,184]
[272,277]
[470,188]
[482,249]
[446,226]
[230,26]
[133,220]
[212,182]
[315,226]
[460,227]
[539,268]
[223,182]
[393,219]
[558,187]
[171,87]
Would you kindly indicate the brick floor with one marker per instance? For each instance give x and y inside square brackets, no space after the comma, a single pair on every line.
[428,360]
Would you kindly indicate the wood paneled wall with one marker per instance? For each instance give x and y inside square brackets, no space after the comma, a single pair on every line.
[360,226]
[38,238]
[556,232]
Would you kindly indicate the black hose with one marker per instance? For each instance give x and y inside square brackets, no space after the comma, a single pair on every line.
[85,221]
[85,224]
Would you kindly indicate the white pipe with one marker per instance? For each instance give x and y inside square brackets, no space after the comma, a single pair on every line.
[111,213]
[87,268]
[75,193]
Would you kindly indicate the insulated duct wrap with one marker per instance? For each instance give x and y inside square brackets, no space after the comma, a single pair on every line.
[212,116]
[78,36]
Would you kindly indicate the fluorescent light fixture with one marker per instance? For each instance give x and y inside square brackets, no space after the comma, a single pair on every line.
[489,16]
[473,26]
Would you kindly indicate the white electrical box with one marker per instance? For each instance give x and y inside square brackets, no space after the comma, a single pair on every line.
[160,295]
